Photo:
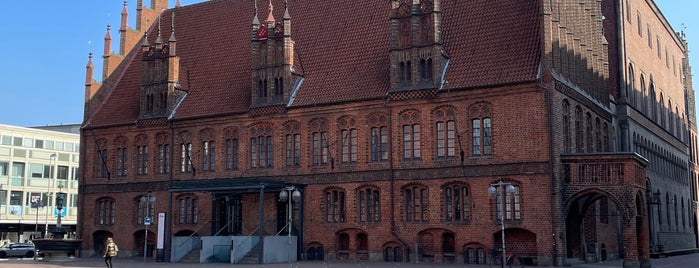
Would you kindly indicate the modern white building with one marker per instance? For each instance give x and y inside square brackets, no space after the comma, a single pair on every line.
[35,165]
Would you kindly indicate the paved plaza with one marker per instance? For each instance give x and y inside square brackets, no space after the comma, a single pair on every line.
[681,261]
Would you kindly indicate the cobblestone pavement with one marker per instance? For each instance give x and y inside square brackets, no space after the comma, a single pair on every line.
[681,261]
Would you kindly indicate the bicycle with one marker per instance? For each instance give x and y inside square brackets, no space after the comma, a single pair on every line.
[512,260]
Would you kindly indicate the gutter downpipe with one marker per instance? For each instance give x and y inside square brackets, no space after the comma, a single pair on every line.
[391,172]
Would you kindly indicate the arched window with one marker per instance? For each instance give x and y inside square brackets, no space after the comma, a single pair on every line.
[416,199]
[631,87]
[122,156]
[232,148]
[566,127]
[261,147]
[579,140]
[348,136]
[457,205]
[319,133]
[188,210]
[162,141]
[369,204]
[481,132]
[588,134]
[292,139]
[598,135]
[644,93]
[653,103]
[445,129]
[379,137]
[208,150]
[142,155]
[334,206]
[106,211]
[513,208]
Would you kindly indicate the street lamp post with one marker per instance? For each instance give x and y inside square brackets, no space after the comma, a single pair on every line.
[284,197]
[146,200]
[498,190]
[49,185]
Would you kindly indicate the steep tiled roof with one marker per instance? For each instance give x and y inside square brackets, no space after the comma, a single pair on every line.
[342,49]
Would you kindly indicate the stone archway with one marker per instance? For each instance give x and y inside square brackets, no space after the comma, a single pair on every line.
[98,239]
[595,217]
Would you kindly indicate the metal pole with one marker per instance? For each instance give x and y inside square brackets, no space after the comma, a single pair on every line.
[48,192]
[289,226]
[502,222]
[145,236]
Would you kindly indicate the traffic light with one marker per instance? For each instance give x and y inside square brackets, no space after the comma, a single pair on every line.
[60,200]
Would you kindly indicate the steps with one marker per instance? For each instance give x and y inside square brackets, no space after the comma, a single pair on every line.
[192,256]
[252,257]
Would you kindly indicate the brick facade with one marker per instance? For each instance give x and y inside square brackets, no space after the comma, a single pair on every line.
[393,149]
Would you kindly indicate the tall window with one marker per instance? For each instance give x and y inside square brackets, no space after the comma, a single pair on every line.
[146,208]
[319,134]
[335,206]
[163,153]
[446,137]
[142,155]
[106,211]
[411,142]
[101,159]
[188,210]
[232,149]
[513,209]
[653,102]
[261,147]
[481,135]
[579,144]
[410,120]
[566,127]
[369,207]
[208,150]
[598,135]
[122,153]
[348,136]
[446,133]
[605,137]
[416,200]
[643,102]
[588,134]
[631,87]
[349,145]
[185,157]
[379,137]
[456,201]
[208,156]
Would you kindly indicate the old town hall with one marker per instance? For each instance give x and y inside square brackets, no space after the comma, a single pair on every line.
[258,131]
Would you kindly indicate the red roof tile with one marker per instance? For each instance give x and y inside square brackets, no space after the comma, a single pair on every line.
[342,49]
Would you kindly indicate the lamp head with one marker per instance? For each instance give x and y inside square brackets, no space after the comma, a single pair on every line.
[509,188]
[296,196]
[492,190]
[283,196]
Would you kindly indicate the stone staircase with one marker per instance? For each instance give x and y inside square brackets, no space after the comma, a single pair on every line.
[192,256]
[252,257]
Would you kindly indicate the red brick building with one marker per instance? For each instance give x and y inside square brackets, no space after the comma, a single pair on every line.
[392,120]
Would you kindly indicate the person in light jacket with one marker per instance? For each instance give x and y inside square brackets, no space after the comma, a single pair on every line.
[110,250]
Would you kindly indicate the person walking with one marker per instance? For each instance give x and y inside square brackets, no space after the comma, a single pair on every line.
[110,250]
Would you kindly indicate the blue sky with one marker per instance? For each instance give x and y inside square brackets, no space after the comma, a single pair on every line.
[45,44]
